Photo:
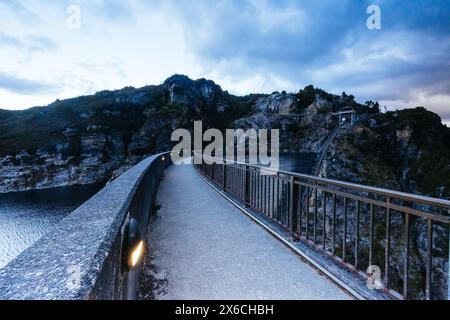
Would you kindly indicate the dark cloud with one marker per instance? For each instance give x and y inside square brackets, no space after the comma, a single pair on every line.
[326,43]
[23,86]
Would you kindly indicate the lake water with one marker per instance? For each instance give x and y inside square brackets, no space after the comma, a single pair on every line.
[26,216]
[297,162]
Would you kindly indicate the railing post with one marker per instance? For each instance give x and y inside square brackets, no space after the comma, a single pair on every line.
[224,175]
[212,171]
[247,185]
[448,267]
[293,206]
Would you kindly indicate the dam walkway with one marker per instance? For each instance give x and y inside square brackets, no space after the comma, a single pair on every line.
[208,249]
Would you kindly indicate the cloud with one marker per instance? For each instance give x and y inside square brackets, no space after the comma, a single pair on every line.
[23,86]
[245,46]
[324,43]
[25,15]
[112,10]
[28,44]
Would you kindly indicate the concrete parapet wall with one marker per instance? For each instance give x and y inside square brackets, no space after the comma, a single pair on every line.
[80,258]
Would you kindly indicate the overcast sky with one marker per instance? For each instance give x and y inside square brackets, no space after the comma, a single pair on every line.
[245,46]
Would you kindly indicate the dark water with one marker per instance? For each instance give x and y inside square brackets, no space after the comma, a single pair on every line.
[297,162]
[27,216]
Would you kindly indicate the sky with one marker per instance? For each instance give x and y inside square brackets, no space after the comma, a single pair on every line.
[59,49]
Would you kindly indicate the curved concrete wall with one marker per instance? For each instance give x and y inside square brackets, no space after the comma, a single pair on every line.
[80,258]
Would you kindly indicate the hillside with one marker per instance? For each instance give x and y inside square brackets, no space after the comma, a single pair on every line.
[91,138]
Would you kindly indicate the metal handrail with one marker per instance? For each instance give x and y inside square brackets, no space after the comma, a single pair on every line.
[442,203]
[330,207]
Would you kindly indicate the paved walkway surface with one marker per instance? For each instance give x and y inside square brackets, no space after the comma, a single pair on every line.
[202,247]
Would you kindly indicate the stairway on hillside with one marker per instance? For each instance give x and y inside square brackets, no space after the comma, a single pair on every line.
[324,149]
[321,158]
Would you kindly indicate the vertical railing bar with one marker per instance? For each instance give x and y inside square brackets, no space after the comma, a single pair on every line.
[307,212]
[406,267]
[269,197]
[448,257]
[429,259]
[268,192]
[237,181]
[286,203]
[242,181]
[234,180]
[260,192]
[247,185]
[291,203]
[244,177]
[266,211]
[242,184]
[324,220]
[227,175]
[300,211]
[283,209]
[231,176]
[272,196]
[387,245]
[344,239]
[316,203]
[275,204]
[283,202]
[358,214]
[371,234]
[333,229]
[251,186]
[254,189]
[263,182]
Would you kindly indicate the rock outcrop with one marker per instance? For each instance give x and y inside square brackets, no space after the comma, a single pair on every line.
[93,138]
[277,103]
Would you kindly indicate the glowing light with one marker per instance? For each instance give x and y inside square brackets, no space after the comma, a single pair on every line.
[137,254]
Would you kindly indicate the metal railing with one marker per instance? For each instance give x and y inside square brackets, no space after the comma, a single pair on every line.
[358,226]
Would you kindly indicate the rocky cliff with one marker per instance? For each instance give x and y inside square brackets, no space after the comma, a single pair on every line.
[92,138]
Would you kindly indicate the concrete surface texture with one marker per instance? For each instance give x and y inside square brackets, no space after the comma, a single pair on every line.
[202,247]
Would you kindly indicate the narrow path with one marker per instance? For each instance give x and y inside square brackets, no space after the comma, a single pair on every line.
[202,247]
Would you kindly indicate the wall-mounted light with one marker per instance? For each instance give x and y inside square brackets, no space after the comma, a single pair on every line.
[163,158]
[133,245]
